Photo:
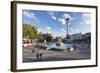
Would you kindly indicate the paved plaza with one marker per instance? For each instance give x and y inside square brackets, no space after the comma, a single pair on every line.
[30,55]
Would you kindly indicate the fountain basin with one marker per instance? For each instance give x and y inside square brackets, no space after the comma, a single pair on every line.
[53,46]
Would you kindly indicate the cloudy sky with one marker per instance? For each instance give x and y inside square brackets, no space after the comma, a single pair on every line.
[54,22]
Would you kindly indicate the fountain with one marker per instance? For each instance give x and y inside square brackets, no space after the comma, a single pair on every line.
[59,45]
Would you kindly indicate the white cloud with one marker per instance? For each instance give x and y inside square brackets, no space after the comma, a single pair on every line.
[53,17]
[51,13]
[66,16]
[86,18]
[62,20]
[30,15]
[26,13]
[48,28]
[57,34]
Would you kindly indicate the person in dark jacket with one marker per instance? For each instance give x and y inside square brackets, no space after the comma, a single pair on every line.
[40,55]
[37,55]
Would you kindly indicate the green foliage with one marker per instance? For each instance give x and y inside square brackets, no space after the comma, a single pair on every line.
[31,32]
[47,37]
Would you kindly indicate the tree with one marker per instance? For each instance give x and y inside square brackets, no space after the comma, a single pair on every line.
[30,31]
[47,37]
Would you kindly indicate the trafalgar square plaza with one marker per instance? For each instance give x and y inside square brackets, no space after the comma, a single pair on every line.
[56,36]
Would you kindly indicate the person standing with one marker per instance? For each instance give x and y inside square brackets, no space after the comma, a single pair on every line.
[37,55]
[40,55]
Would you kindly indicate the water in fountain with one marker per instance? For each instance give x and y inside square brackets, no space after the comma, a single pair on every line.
[59,45]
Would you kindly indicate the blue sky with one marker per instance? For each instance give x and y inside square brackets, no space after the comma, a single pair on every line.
[54,21]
